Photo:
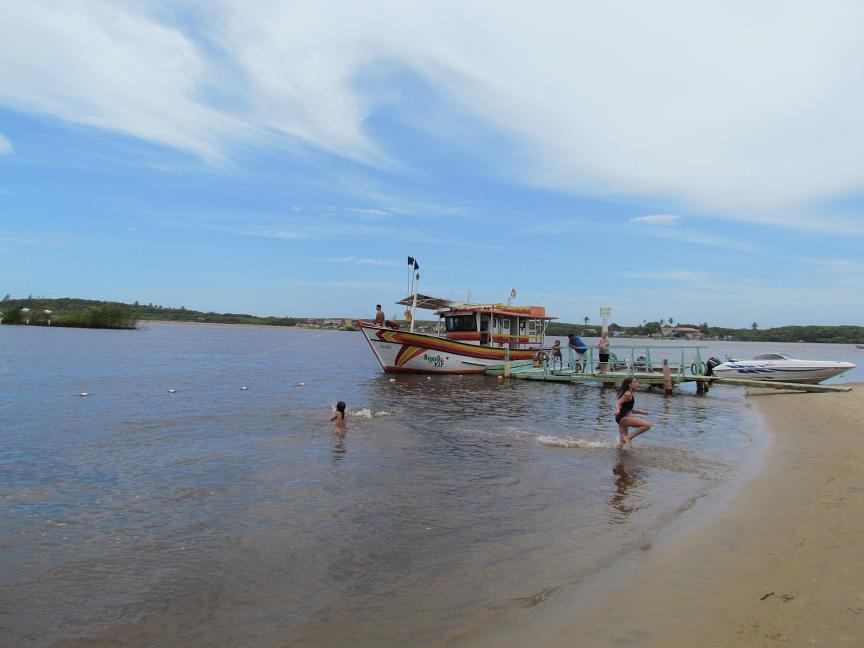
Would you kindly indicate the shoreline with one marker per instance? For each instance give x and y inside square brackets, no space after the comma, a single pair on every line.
[776,560]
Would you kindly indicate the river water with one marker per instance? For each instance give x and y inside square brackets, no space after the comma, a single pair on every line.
[222,516]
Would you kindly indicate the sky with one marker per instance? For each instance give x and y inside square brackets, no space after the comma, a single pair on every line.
[696,161]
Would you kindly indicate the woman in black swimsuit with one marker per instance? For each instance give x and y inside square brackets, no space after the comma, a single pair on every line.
[624,409]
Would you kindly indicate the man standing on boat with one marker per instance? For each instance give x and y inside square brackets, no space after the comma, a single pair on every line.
[379,315]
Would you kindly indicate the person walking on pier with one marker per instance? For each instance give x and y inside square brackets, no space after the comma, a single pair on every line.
[624,408]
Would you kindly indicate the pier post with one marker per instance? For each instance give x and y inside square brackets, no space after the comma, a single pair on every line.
[507,360]
[701,388]
[667,378]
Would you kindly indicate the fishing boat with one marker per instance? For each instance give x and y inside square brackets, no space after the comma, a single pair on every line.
[777,366]
[475,336]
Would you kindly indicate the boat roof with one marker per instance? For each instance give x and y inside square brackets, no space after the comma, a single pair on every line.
[449,306]
[427,302]
[533,312]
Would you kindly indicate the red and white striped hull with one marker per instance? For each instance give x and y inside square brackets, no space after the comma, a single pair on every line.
[404,352]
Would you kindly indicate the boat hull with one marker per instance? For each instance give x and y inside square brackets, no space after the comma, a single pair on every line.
[804,373]
[405,352]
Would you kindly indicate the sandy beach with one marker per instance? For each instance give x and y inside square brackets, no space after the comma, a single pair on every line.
[777,561]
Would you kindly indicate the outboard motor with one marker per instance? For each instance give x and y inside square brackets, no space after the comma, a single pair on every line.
[709,366]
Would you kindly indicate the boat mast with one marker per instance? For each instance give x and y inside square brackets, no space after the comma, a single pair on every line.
[414,303]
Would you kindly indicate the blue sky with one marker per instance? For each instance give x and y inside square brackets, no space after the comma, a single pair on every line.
[286,158]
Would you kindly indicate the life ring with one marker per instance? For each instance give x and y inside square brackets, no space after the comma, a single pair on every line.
[698,368]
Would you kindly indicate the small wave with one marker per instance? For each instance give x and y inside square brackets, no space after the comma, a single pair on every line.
[569,442]
[365,412]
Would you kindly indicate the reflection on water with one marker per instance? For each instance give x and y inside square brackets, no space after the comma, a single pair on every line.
[339,448]
[625,500]
[219,516]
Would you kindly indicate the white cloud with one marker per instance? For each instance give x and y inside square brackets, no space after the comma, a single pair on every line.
[365,261]
[657,219]
[5,146]
[699,238]
[837,265]
[741,110]
[671,275]
[554,228]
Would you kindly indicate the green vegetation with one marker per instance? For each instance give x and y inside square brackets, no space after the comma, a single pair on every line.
[63,312]
[845,334]
[101,314]
[91,313]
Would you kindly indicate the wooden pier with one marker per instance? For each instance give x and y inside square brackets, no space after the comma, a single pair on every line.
[662,373]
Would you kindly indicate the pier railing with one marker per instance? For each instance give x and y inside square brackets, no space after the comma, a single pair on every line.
[631,360]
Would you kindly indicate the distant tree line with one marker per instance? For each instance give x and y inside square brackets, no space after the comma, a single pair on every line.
[844,334]
[105,316]
[90,313]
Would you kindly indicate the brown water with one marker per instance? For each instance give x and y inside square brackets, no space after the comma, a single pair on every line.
[215,516]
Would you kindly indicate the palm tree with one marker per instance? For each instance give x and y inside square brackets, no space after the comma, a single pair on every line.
[670,321]
[662,322]
[586,318]
[754,326]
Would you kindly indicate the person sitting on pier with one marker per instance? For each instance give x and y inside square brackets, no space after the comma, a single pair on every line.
[379,315]
[556,354]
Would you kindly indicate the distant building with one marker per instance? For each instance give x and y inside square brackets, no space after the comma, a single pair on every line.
[687,332]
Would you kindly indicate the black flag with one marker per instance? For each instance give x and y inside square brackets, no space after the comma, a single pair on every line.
[416,265]
[411,261]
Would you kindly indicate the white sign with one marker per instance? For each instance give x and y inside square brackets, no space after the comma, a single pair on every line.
[605,314]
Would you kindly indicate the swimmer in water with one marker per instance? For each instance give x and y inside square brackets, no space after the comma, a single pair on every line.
[623,410]
[339,418]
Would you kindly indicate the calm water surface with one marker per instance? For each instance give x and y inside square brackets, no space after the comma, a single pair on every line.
[215,516]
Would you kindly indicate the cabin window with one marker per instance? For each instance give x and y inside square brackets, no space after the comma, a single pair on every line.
[457,323]
[521,325]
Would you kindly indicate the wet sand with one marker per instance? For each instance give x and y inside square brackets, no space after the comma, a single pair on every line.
[778,561]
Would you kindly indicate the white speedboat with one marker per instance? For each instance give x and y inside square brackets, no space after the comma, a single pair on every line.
[779,367]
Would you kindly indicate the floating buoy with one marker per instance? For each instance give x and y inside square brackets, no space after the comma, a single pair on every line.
[172,391]
[301,384]
[244,388]
[392,380]
[500,378]
[428,377]
[84,394]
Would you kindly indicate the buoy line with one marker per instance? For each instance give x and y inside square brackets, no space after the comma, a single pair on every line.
[285,346]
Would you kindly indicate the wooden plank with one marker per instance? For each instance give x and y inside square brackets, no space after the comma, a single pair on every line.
[770,384]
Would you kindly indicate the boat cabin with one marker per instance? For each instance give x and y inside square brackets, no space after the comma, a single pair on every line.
[492,325]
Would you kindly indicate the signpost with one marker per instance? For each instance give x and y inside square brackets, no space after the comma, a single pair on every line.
[605,314]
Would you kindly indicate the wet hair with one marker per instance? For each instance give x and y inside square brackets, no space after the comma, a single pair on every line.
[377,305]
[625,386]
[340,407]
